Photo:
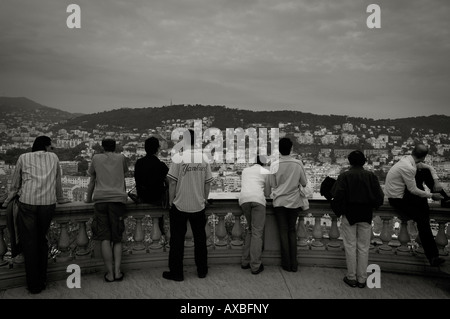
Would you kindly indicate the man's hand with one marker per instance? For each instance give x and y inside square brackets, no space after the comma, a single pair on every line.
[437,196]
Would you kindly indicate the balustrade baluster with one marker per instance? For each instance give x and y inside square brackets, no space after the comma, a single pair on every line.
[441,239]
[83,250]
[3,247]
[167,236]
[236,232]
[404,239]
[317,244]
[447,234]
[208,231]
[138,246]
[334,243]
[125,243]
[64,243]
[386,236]
[302,234]
[221,232]
[155,234]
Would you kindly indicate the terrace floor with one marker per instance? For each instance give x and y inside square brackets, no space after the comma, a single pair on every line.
[232,282]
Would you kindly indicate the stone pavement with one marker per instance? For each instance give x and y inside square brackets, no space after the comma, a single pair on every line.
[232,282]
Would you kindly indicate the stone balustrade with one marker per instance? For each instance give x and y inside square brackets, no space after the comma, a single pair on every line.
[394,247]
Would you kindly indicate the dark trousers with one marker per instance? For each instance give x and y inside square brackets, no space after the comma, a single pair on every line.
[416,208]
[286,220]
[33,222]
[178,228]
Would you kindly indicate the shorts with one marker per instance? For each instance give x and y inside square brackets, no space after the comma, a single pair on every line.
[108,222]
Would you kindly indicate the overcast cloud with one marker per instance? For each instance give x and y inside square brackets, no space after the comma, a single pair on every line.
[313,56]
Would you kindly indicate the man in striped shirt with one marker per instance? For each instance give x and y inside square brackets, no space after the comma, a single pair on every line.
[189,186]
[37,180]
[288,175]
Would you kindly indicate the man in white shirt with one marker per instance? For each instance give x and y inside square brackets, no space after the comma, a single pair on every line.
[255,188]
[189,186]
[406,194]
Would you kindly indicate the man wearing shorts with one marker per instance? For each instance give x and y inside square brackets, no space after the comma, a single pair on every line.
[107,190]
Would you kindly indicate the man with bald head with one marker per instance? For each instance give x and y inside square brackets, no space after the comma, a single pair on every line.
[407,195]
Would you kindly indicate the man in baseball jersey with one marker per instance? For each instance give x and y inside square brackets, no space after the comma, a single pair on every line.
[189,186]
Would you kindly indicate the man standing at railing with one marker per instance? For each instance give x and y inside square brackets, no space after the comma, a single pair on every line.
[405,191]
[356,193]
[189,186]
[287,177]
[107,190]
[37,180]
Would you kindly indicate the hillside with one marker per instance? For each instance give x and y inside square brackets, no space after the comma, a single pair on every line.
[144,118]
[31,109]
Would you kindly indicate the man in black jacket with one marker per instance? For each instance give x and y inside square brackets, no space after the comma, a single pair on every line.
[150,175]
[355,194]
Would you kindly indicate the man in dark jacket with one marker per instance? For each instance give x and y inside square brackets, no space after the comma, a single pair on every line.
[355,194]
[150,175]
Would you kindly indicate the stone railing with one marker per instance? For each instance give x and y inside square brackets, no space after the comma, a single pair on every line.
[395,245]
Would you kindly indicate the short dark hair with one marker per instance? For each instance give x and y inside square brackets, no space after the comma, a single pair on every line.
[109,145]
[151,145]
[40,143]
[356,158]
[420,151]
[285,146]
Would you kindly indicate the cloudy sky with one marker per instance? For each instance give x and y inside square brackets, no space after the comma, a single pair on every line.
[314,56]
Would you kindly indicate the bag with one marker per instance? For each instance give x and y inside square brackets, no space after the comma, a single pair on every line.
[325,187]
[134,197]
[12,211]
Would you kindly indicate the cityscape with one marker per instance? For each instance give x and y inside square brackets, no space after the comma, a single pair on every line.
[322,148]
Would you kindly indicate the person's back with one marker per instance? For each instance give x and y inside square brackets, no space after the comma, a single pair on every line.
[189,186]
[150,174]
[110,169]
[253,185]
[39,172]
[37,181]
[360,192]
[286,182]
[355,193]
[288,174]
[190,180]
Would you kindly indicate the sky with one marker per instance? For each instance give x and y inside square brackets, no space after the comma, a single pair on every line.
[316,56]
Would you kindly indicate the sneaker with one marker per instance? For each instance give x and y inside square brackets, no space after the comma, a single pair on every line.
[437,261]
[361,284]
[245,266]
[202,274]
[170,276]
[288,269]
[351,283]
[260,269]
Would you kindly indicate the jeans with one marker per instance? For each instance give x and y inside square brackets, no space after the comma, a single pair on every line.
[178,228]
[33,222]
[286,221]
[356,240]
[255,214]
